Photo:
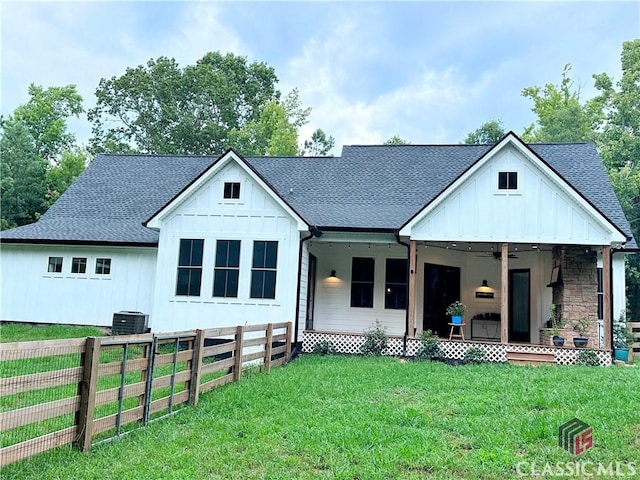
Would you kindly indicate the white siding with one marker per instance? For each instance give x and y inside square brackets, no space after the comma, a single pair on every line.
[206,215]
[31,294]
[333,311]
[540,210]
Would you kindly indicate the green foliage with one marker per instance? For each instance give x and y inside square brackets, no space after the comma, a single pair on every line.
[475,355]
[456,308]
[319,145]
[323,347]
[622,337]
[59,177]
[163,108]
[22,176]
[430,348]
[588,358]
[376,340]
[489,133]
[396,140]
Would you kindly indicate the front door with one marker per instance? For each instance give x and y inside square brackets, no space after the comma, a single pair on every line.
[441,288]
[519,305]
[311,291]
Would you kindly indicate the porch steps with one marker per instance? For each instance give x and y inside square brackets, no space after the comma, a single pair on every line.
[530,358]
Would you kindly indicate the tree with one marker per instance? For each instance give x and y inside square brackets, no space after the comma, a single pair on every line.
[489,133]
[562,117]
[396,140]
[22,176]
[45,118]
[318,145]
[59,177]
[162,108]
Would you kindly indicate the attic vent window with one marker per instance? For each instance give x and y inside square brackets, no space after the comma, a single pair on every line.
[231,190]
[507,180]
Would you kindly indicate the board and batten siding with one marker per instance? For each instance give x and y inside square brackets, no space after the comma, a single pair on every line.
[333,311]
[32,294]
[539,211]
[207,215]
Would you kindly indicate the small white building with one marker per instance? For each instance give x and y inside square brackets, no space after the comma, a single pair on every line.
[382,233]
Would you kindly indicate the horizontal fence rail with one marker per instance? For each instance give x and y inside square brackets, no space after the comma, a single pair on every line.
[78,391]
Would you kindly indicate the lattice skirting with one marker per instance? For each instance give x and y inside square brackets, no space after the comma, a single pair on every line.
[350,343]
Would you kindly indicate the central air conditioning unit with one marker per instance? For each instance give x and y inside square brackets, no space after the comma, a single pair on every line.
[129,323]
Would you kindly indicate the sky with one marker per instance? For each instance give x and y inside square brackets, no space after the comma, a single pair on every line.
[430,72]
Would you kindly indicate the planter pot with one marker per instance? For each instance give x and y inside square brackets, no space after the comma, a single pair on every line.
[456,319]
[558,341]
[621,354]
[580,342]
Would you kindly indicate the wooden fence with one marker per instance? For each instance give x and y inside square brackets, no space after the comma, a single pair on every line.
[634,327]
[81,390]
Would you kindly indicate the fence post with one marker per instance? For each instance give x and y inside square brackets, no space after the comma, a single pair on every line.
[237,369]
[288,348]
[88,393]
[196,364]
[267,347]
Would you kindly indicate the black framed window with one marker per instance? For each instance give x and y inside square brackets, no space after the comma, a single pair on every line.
[78,265]
[263,269]
[190,267]
[55,265]
[362,276]
[103,266]
[227,268]
[395,284]
[507,180]
[232,190]
[600,295]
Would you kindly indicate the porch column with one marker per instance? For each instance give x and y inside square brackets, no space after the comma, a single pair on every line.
[606,293]
[412,289]
[504,304]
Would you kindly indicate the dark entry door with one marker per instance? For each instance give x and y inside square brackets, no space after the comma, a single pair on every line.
[311,291]
[441,288]
[519,306]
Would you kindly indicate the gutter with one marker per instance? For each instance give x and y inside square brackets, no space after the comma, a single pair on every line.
[406,310]
[315,232]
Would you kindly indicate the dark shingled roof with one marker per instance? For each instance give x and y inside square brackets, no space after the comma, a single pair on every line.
[368,187]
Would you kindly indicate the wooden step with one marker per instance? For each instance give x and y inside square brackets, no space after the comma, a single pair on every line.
[530,358]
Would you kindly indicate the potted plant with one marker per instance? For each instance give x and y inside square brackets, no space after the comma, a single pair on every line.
[457,310]
[581,326]
[555,325]
[622,340]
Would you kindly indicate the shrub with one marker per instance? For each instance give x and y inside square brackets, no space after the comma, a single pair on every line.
[430,349]
[588,358]
[375,340]
[475,355]
[323,347]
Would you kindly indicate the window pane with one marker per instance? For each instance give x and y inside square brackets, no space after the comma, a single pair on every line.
[222,252]
[78,265]
[257,282]
[271,254]
[235,190]
[363,269]
[196,252]
[513,180]
[502,180]
[269,288]
[190,253]
[362,295]
[232,283]
[395,297]
[103,266]
[227,190]
[258,254]
[182,286]
[234,253]
[55,265]
[396,270]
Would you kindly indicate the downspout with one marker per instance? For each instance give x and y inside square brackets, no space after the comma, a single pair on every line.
[313,232]
[406,310]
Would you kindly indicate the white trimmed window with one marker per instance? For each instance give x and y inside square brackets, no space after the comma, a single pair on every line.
[507,180]
[55,265]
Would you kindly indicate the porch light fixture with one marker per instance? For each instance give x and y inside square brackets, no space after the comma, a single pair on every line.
[484,284]
[333,274]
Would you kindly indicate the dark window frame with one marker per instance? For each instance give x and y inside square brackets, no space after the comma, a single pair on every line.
[396,287]
[103,266]
[264,269]
[79,265]
[190,259]
[226,272]
[55,264]
[231,191]
[362,282]
[507,180]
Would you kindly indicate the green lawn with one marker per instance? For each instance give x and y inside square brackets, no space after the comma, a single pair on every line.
[25,332]
[371,418]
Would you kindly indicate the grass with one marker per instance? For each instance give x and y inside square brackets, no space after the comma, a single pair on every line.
[25,332]
[370,418]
